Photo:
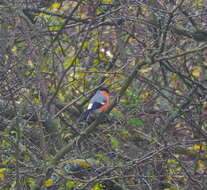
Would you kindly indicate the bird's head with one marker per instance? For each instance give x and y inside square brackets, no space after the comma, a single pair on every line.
[104,89]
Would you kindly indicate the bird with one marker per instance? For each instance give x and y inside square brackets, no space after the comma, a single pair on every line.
[97,104]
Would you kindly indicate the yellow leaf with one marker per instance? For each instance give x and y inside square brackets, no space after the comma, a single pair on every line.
[146,94]
[201,165]
[41,14]
[169,178]
[55,5]
[83,16]
[178,169]
[96,187]
[2,170]
[30,62]
[196,147]
[99,43]
[98,11]
[107,1]
[2,177]
[60,172]
[146,69]
[174,77]
[178,50]
[68,135]
[85,164]
[197,71]
[179,126]
[14,49]
[108,75]
[174,80]
[124,101]
[172,161]
[53,28]
[108,82]
[2,174]
[10,26]
[199,147]
[203,147]
[177,155]
[198,3]
[48,183]
[14,133]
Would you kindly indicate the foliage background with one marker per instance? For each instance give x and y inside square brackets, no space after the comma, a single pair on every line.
[152,57]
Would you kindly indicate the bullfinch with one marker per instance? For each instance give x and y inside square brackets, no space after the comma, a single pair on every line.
[97,104]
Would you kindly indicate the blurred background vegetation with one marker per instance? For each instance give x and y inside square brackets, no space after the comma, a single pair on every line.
[152,56]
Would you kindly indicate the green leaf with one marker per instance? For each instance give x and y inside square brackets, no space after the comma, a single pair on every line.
[135,121]
[85,45]
[76,62]
[125,133]
[94,69]
[117,114]
[172,161]
[103,157]
[114,142]
[68,62]
[97,187]
[70,185]
[36,100]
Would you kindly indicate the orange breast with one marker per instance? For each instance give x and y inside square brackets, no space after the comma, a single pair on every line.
[106,105]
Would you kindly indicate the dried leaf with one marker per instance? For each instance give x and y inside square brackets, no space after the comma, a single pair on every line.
[197,71]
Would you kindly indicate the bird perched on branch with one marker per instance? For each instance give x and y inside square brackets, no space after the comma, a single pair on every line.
[97,104]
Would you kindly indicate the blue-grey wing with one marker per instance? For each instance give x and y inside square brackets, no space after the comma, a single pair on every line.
[98,97]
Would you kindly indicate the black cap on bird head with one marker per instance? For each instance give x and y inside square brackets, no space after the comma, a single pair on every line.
[104,89]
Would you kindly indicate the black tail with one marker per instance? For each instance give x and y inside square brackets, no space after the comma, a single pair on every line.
[84,116]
